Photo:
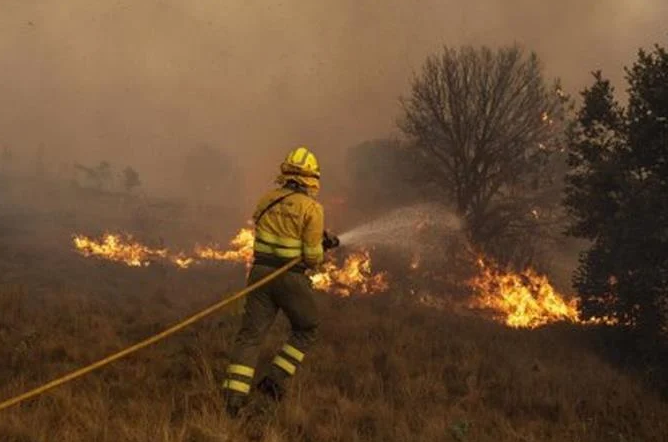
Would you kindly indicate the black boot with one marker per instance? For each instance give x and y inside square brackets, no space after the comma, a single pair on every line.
[234,403]
[271,388]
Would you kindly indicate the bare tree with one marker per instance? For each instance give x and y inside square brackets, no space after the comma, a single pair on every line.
[130,179]
[488,123]
[99,177]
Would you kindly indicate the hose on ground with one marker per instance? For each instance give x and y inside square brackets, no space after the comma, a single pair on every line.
[146,342]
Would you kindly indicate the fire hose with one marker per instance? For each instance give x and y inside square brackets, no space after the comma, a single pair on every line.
[152,340]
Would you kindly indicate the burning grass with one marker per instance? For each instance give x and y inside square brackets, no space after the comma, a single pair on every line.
[382,371]
[524,299]
[122,248]
[242,249]
[518,299]
[354,275]
[118,248]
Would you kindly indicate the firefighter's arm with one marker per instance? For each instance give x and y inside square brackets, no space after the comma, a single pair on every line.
[314,226]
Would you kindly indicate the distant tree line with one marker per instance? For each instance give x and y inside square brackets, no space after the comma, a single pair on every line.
[102,177]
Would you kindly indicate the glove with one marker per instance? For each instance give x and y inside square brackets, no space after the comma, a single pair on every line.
[329,240]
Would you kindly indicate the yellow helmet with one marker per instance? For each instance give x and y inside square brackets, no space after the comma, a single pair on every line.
[301,161]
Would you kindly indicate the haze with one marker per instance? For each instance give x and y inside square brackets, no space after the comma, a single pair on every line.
[141,82]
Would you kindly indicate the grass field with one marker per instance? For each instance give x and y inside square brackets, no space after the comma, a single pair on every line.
[386,368]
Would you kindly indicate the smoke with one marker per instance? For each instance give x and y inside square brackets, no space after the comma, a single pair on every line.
[143,82]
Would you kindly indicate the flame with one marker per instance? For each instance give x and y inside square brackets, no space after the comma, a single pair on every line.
[415,261]
[355,276]
[122,248]
[116,247]
[525,299]
[182,261]
[242,250]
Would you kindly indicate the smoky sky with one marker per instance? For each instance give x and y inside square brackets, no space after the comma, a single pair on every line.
[142,81]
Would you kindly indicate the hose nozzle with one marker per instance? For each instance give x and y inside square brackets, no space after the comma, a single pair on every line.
[329,240]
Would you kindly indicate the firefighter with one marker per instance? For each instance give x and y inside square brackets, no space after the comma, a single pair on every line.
[289,223]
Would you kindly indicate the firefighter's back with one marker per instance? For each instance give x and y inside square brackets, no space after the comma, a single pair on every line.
[283,230]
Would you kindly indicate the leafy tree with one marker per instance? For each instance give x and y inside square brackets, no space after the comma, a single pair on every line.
[488,123]
[617,195]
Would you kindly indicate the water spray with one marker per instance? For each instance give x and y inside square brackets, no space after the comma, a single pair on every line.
[402,226]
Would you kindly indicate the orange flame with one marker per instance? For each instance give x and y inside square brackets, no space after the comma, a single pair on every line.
[415,261]
[355,276]
[114,247]
[182,261]
[122,248]
[242,250]
[525,299]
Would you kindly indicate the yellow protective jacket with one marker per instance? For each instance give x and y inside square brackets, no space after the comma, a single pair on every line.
[294,227]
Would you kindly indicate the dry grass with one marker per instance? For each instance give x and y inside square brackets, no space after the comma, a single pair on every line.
[384,369]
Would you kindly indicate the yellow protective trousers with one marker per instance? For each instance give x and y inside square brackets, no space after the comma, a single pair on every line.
[290,293]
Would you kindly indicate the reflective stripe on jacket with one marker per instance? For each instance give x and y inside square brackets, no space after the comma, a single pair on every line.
[292,228]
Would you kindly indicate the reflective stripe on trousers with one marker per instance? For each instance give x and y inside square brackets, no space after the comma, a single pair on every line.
[239,378]
[288,359]
[291,293]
